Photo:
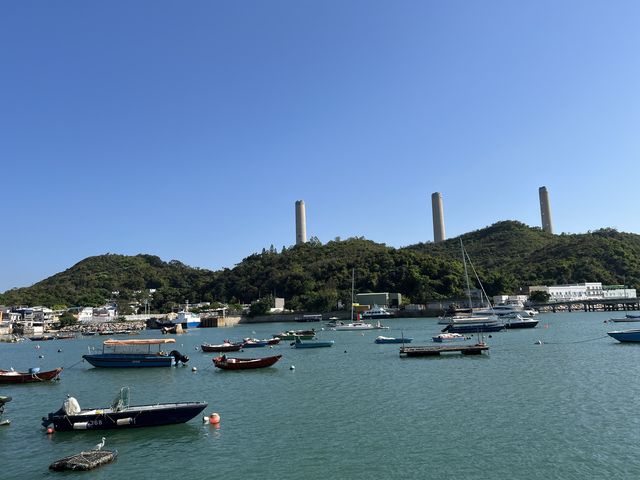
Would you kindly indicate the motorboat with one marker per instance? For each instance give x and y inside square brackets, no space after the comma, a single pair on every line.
[518,321]
[135,353]
[383,339]
[626,336]
[312,343]
[120,415]
[293,334]
[236,363]
[357,325]
[375,313]
[221,347]
[449,337]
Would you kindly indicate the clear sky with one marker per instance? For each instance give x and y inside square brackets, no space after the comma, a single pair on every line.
[188,130]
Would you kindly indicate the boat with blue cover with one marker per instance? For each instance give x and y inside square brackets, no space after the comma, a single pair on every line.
[135,354]
[624,336]
[312,343]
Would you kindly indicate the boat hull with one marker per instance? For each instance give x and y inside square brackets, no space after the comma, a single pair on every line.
[626,336]
[244,363]
[131,360]
[474,328]
[393,340]
[9,377]
[233,347]
[521,324]
[313,344]
[131,417]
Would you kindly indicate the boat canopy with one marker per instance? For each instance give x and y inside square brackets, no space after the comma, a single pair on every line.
[146,341]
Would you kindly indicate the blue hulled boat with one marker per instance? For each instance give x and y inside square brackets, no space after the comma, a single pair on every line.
[632,335]
[473,327]
[135,354]
[312,343]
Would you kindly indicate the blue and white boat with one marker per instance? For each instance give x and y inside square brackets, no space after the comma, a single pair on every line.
[135,354]
[632,335]
[382,339]
[449,337]
[312,343]
[187,319]
[474,327]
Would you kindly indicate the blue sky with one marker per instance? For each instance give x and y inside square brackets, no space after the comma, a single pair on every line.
[189,129]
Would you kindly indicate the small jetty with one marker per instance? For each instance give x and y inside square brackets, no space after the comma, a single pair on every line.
[84,460]
[434,351]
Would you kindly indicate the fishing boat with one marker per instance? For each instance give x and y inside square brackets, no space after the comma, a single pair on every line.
[626,336]
[221,347]
[448,337]
[235,363]
[186,318]
[32,376]
[382,339]
[135,353]
[120,414]
[293,334]
[312,343]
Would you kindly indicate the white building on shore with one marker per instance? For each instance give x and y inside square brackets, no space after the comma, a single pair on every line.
[584,291]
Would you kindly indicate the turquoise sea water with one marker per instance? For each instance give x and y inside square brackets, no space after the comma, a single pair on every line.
[567,409]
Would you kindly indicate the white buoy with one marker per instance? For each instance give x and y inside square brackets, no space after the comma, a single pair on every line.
[194,369]
[205,419]
[292,367]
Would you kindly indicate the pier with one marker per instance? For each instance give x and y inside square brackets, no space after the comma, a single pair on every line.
[434,351]
[596,305]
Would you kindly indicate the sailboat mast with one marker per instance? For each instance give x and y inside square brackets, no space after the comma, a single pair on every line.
[353,278]
[466,273]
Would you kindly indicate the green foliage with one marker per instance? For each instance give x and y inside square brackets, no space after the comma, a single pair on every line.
[261,306]
[67,319]
[539,296]
[508,256]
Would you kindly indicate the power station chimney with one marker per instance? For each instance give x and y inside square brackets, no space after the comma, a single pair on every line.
[438,217]
[301,223]
[545,210]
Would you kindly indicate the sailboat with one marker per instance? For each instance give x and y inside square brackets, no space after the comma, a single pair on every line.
[470,323]
[358,324]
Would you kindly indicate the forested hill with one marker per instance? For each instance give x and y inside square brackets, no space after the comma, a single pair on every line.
[508,256]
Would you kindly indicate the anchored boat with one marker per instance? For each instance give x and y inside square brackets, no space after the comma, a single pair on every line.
[32,376]
[135,353]
[120,414]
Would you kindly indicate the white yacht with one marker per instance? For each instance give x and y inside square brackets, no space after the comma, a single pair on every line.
[375,312]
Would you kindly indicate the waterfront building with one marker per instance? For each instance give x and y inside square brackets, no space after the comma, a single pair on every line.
[584,291]
[384,299]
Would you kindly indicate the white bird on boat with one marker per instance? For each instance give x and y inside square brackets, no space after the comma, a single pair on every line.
[100,445]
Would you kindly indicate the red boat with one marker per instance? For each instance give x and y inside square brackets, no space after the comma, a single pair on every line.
[235,363]
[222,347]
[34,375]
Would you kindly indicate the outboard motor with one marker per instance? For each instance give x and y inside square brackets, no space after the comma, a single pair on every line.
[178,356]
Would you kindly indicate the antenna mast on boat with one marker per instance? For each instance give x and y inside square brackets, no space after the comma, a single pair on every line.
[466,274]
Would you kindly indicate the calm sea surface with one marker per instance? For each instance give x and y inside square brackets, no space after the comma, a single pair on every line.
[567,409]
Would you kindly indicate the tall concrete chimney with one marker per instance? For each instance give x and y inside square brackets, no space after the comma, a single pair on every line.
[545,210]
[438,217]
[301,223]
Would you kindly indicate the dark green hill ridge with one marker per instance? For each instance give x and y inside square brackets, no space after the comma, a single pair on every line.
[508,257]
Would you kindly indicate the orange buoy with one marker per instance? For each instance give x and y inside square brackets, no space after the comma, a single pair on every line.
[49,431]
[214,419]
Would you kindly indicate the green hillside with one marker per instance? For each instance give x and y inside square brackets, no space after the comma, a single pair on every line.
[508,256]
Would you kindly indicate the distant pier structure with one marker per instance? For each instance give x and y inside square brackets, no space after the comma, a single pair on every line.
[438,217]
[301,223]
[545,210]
